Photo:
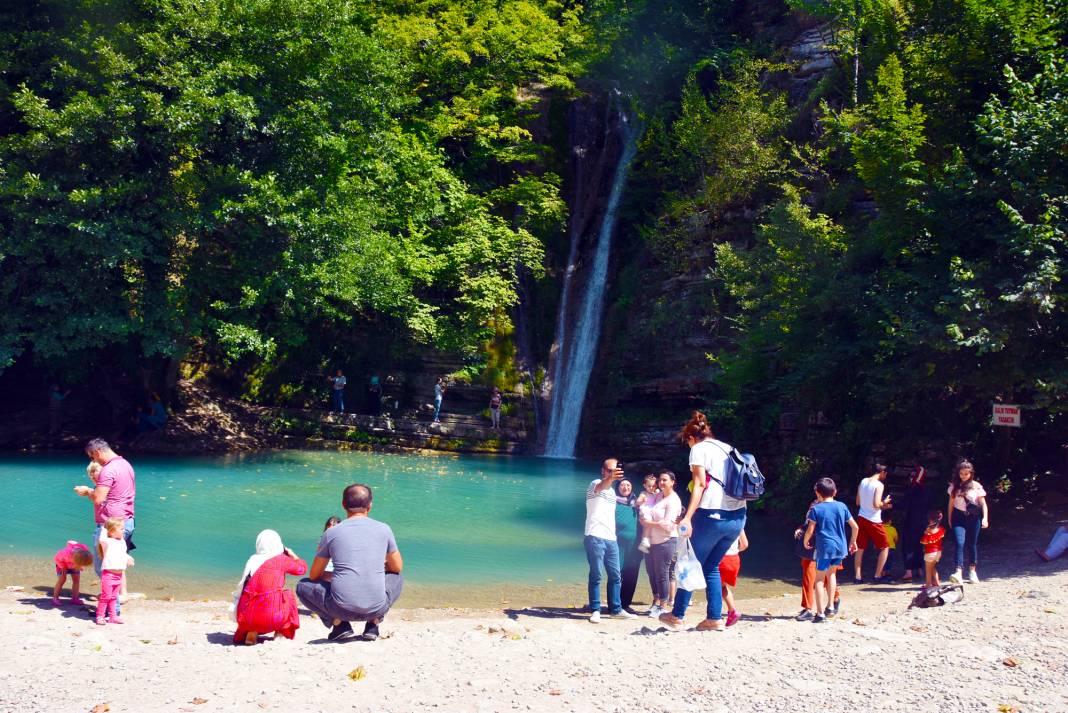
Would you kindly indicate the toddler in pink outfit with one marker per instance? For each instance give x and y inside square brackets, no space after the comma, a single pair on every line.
[71,560]
[113,564]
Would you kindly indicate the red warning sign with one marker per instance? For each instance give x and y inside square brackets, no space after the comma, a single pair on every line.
[1006,415]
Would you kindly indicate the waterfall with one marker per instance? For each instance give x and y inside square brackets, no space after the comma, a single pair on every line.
[577,347]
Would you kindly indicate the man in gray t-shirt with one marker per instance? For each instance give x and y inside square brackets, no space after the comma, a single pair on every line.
[367,578]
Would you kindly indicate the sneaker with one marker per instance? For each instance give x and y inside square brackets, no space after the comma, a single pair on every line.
[622,614]
[732,618]
[803,615]
[957,577]
[117,620]
[711,625]
[819,619]
[644,545]
[595,618]
[655,611]
[100,622]
[828,613]
[834,607]
[973,577]
[342,629]
[370,631]
[671,621]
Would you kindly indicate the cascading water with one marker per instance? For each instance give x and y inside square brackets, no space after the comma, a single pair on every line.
[577,346]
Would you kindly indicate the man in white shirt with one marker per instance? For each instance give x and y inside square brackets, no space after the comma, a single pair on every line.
[600,541]
[337,391]
[870,506]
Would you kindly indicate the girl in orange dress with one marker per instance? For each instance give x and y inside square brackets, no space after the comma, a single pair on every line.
[264,605]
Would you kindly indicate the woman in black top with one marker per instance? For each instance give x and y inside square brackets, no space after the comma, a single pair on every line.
[916,504]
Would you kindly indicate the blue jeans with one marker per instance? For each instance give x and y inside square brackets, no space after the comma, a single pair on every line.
[600,551]
[437,407]
[714,531]
[966,534]
[337,400]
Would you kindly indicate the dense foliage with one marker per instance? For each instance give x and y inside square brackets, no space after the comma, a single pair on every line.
[246,181]
[226,177]
[906,261]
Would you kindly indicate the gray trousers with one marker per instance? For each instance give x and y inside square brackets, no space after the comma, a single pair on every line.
[316,597]
[659,561]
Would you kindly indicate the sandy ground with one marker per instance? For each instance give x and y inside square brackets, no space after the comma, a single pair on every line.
[1004,648]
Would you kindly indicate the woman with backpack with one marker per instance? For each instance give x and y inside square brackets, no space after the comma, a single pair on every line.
[713,520]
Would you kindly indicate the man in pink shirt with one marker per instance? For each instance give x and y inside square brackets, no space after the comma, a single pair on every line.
[114,494]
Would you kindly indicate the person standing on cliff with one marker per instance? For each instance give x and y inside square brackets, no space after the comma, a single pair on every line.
[600,541]
[55,408]
[439,394]
[870,506]
[114,494]
[337,391]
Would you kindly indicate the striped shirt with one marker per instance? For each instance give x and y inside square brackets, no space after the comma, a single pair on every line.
[600,512]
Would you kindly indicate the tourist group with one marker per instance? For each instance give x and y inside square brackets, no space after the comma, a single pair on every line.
[356,573]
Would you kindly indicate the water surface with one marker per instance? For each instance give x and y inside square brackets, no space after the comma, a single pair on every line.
[474,531]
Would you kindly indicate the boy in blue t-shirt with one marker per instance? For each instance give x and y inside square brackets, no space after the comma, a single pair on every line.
[827,520]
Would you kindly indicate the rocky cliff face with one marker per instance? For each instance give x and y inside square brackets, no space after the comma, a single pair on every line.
[661,327]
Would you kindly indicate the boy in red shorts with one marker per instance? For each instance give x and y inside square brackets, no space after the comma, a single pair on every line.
[729,567]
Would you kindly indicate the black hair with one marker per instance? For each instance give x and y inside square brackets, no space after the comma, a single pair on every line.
[330,522]
[666,472]
[357,498]
[826,488]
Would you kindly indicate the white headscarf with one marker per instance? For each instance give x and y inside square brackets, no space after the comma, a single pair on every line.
[268,545]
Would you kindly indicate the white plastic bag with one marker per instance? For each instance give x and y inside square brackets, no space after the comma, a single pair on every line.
[688,570]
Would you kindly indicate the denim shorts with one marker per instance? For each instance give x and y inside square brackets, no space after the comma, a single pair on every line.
[822,565]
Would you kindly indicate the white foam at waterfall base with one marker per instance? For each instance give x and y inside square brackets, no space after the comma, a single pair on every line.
[578,346]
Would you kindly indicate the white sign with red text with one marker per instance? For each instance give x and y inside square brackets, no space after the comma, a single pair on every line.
[1006,415]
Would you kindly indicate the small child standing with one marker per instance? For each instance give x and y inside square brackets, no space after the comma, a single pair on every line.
[71,560]
[113,564]
[729,568]
[646,501]
[827,522]
[891,540]
[932,546]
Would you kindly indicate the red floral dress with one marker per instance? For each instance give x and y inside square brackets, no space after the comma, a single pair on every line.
[266,605]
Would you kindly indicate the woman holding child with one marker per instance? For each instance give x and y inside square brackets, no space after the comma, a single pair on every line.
[713,520]
[660,522]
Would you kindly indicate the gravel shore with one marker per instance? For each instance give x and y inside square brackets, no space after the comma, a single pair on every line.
[1003,648]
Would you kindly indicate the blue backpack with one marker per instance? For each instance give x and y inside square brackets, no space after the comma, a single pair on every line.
[742,479]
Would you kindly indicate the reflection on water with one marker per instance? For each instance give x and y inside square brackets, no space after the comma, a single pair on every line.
[474,531]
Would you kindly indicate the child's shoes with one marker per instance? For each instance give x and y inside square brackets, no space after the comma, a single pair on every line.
[117,620]
[100,621]
[55,601]
[644,545]
[76,601]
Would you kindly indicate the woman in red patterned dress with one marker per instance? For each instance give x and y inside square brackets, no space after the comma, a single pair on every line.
[265,605]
